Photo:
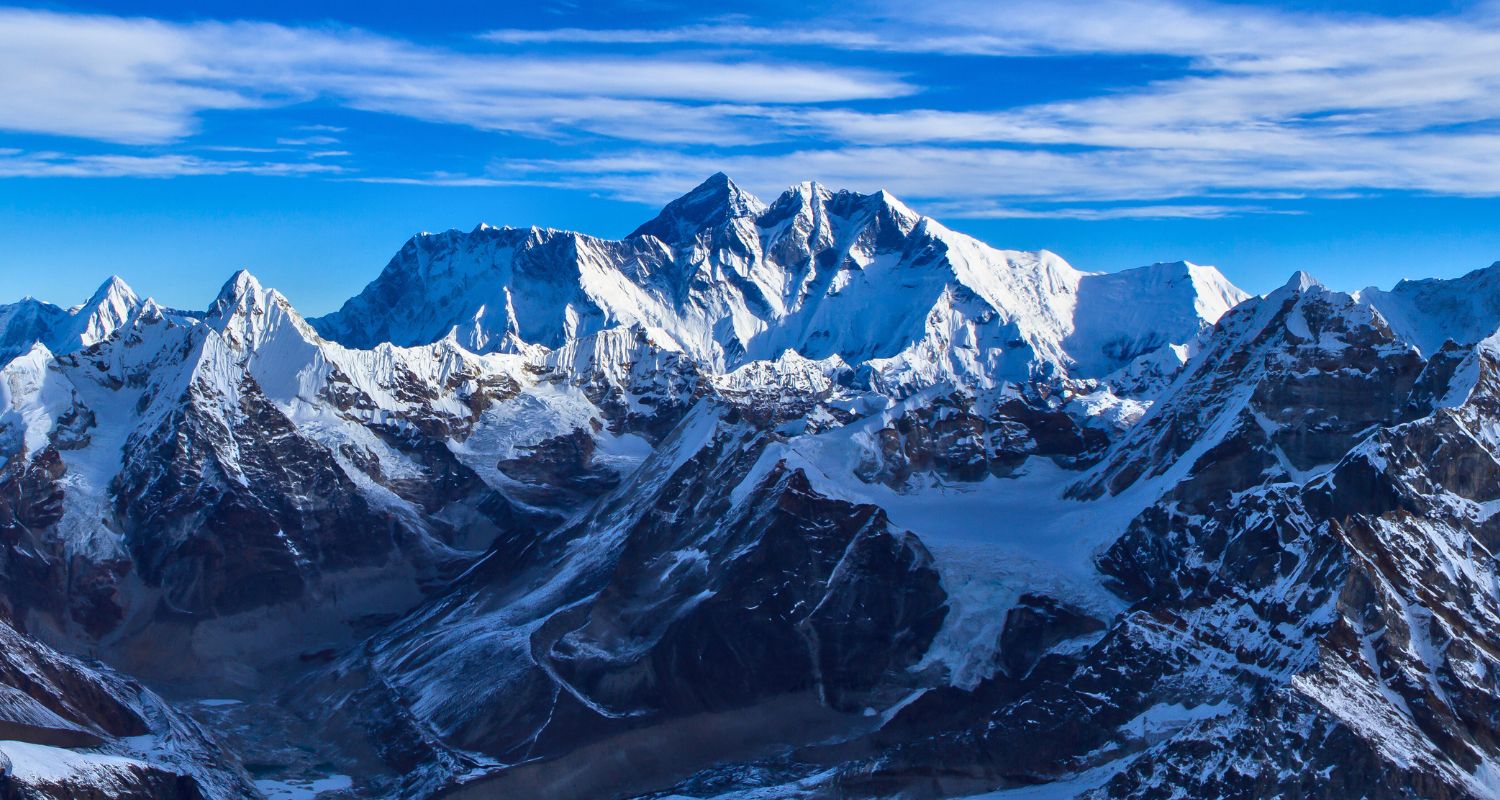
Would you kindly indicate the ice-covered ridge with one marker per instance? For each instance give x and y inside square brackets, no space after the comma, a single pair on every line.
[1124,315]
[716,201]
[1431,311]
[729,280]
[29,321]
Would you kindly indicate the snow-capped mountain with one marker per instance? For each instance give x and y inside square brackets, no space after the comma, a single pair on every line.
[728,280]
[814,498]
[65,330]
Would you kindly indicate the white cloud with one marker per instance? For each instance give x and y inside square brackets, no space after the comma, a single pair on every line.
[969,174]
[306,141]
[1160,211]
[1268,101]
[100,77]
[838,37]
[46,164]
[144,81]
[1267,104]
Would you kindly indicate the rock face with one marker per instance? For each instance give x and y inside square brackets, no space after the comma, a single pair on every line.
[808,498]
[709,584]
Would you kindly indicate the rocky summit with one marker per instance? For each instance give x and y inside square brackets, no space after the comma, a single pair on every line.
[814,498]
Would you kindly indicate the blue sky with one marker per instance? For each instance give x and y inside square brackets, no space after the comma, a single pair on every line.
[172,143]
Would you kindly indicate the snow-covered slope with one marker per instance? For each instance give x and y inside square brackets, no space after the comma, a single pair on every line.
[1122,316]
[728,280]
[66,330]
[1431,311]
[25,323]
[70,728]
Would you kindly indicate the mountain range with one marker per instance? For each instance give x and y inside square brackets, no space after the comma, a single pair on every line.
[809,499]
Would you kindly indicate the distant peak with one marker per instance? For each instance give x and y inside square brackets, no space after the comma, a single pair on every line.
[240,284]
[114,296]
[1301,281]
[892,202]
[810,189]
[1180,268]
[115,286]
[713,202]
[246,313]
[240,290]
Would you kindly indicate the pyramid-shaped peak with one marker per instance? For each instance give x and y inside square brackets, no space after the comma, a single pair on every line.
[240,294]
[248,315]
[893,202]
[115,289]
[1301,281]
[112,305]
[884,202]
[710,204]
[240,285]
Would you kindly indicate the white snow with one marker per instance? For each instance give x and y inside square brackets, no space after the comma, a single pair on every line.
[1065,789]
[992,540]
[807,274]
[303,789]
[1166,718]
[39,764]
[1123,315]
[1428,312]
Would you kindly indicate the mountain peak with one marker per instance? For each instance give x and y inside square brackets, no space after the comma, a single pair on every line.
[113,304]
[711,203]
[242,294]
[892,204]
[249,316]
[889,200]
[240,285]
[807,193]
[114,290]
[1301,281]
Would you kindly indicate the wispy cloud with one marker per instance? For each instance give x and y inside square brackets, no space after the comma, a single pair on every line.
[838,37]
[960,176]
[1267,101]
[139,81]
[44,164]
[307,141]
[983,210]
[1264,104]
[128,81]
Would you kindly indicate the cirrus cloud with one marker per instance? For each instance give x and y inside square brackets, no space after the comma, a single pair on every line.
[1262,103]
[143,81]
